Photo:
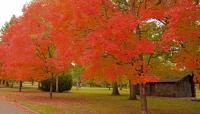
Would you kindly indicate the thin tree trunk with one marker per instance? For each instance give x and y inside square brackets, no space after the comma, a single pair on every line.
[143,99]
[108,86]
[12,84]
[115,89]
[20,86]
[78,83]
[2,82]
[51,88]
[121,86]
[7,83]
[132,95]
[57,82]
[199,86]
[39,84]
[32,82]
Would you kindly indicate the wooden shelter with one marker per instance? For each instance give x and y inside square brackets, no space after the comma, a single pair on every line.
[172,87]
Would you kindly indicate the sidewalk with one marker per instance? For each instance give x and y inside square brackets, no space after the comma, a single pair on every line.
[7,108]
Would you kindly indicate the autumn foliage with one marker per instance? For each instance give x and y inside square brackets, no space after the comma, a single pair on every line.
[97,34]
[110,39]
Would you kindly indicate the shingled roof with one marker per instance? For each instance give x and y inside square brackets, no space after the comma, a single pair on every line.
[170,78]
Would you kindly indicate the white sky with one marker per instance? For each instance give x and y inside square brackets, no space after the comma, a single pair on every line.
[8,8]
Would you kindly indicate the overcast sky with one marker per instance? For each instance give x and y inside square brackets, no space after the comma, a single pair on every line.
[8,8]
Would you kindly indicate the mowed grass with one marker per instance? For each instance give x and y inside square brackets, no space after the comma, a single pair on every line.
[96,101]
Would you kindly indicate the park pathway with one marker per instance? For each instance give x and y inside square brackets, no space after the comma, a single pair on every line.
[8,108]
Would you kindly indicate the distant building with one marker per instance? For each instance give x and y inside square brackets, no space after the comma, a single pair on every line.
[171,87]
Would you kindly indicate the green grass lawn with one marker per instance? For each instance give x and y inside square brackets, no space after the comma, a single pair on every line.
[198,94]
[97,101]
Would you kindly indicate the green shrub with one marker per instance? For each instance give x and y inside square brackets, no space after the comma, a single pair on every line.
[64,83]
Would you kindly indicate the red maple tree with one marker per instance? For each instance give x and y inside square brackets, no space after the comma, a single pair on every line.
[53,33]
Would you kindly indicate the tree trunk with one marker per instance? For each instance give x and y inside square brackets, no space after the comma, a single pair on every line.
[3,82]
[132,95]
[108,86]
[143,99]
[121,87]
[51,88]
[12,84]
[115,89]
[78,83]
[57,82]
[20,86]
[39,84]
[32,82]
[199,86]
[7,83]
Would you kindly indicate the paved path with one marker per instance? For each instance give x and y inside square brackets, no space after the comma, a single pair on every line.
[8,108]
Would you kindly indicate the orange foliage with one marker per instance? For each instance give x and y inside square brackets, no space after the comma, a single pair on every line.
[53,33]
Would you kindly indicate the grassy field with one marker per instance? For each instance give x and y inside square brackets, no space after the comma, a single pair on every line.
[96,101]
